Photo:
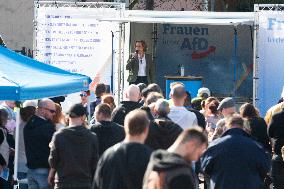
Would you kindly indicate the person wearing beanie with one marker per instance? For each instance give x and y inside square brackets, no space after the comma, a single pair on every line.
[202,94]
[227,108]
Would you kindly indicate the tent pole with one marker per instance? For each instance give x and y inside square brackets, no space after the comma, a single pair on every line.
[235,59]
[89,111]
[122,57]
[119,92]
[16,146]
[112,57]
[255,58]
[154,38]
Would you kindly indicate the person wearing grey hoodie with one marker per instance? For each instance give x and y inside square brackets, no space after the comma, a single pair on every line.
[172,169]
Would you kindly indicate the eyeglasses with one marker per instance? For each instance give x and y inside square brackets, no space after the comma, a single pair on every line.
[85,95]
[51,111]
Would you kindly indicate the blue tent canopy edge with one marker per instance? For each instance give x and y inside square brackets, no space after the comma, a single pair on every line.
[23,78]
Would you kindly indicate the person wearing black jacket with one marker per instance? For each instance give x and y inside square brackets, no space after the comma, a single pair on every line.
[73,153]
[258,127]
[38,133]
[276,132]
[132,96]
[200,117]
[4,150]
[235,160]
[108,132]
[172,168]
[162,131]
[123,165]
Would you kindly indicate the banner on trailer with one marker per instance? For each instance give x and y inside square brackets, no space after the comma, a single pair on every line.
[208,51]
[270,64]
[72,39]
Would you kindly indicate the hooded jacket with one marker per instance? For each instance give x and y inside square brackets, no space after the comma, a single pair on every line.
[162,133]
[74,156]
[168,171]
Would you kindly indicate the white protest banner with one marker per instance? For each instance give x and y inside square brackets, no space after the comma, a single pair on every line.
[72,39]
[270,51]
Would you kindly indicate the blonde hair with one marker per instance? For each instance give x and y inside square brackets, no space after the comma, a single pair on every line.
[58,116]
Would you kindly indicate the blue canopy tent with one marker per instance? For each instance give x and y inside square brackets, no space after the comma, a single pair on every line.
[22,78]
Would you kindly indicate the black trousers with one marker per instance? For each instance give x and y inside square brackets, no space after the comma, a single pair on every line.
[140,79]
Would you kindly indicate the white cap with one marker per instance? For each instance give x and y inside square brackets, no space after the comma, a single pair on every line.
[28,103]
[203,90]
[282,94]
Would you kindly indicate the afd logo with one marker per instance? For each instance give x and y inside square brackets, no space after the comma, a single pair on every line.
[275,24]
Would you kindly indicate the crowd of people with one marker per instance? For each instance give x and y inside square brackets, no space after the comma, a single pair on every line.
[145,141]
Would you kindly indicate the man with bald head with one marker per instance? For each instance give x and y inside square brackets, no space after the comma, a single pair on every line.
[131,102]
[37,136]
[178,113]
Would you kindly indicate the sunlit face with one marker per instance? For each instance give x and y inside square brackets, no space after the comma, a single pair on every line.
[84,98]
[139,47]
[49,111]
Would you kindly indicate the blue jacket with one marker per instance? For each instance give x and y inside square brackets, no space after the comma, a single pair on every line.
[235,161]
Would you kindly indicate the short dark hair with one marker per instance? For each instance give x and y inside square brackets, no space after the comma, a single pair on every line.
[155,88]
[27,112]
[192,134]
[100,89]
[77,110]
[143,43]
[153,97]
[145,92]
[104,109]
[136,122]
[141,86]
